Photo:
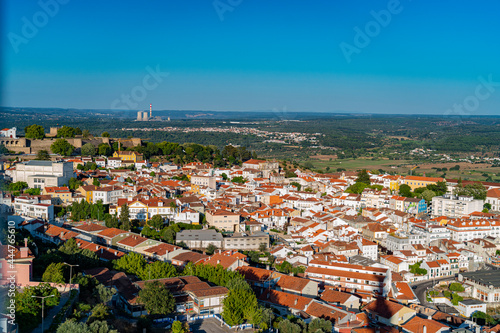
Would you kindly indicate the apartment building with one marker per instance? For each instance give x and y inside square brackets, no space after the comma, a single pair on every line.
[455,206]
[31,207]
[107,194]
[223,220]
[242,241]
[371,279]
[38,174]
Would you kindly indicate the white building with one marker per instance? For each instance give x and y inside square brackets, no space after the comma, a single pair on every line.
[468,307]
[31,207]
[108,194]
[403,242]
[452,206]
[8,133]
[114,162]
[39,174]
[493,198]
[431,232]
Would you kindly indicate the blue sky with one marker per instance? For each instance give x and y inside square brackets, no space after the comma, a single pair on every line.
[254,55]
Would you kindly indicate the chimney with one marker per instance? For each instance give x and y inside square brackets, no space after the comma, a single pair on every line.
[424,329]
[26,242]
[24,252]
[295,302]
[218,261]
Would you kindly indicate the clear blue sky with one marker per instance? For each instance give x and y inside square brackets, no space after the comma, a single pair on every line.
[262,55]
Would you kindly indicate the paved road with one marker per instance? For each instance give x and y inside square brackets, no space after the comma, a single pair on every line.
[211,325]
[423,286]
[52,313]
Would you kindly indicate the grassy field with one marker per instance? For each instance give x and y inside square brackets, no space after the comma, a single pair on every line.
[467,171]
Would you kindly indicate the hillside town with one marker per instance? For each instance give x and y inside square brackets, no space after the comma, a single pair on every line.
[361,251]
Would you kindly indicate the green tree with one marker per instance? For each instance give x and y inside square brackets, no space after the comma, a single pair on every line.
[238,302]
[405,191]
[318,325]
[156,298]
[96,182]
[476,190]
[239,180]
[17,186]
[103,293]
[54,273]
[74,183]
[105,135]
[157,270]
[356,188]
[178,327]
[156,222]
[72,326]
[286,326]
[125,218]
[99,312]
[428,195]
[62,147]
[33,191]
[456,286]
[43,155]
[363,177]
[132,263]
[88,149]
[296,185]
[152,174]
[104,149]
[211,248]
[34,132]
[66,132]
[224,176]
[85,134]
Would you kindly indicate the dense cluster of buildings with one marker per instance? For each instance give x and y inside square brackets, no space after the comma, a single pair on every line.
[357,252]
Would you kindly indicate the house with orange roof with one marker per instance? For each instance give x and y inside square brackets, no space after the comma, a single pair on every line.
[418,324]
[396,264]
[228,262]
[59,194]
[342,299]
[386,312]
[493,199]
[135,242]
[416,181]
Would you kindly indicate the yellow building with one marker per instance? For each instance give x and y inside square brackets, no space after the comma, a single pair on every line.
[59,195]
[416,182]
[88,192]
[129,156]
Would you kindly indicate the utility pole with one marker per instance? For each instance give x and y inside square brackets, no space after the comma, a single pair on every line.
[70,270]
[43,299]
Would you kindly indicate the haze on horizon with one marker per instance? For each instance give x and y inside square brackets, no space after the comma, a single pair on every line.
[403,57]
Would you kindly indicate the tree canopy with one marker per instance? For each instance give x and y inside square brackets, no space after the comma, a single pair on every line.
[62,147]
[156,298]
[34,132]
[88,149]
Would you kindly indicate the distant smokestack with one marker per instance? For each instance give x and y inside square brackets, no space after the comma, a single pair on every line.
[150,110]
